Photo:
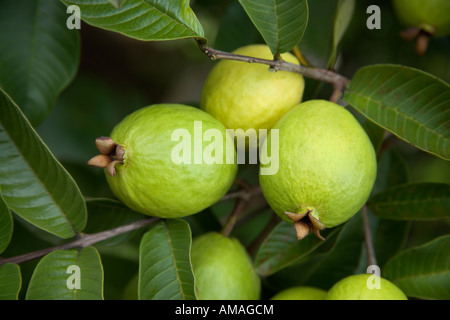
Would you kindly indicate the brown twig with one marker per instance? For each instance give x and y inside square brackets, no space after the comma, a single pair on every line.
[231,221]
[84,240]
[338,81]
[371,259]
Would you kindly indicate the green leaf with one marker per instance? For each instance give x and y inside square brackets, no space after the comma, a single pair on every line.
[6,225]
[236,29]
[142,19]
[68,275]
[389,236]
[424,271]
[327,23]
[342,18]
[105,214]
[116,3]
[392,171]
[39,55]
[10,281]
[280,22]
[165,271]
[33,183]
[336,259]
[408,102]
[416,201]
[281,248]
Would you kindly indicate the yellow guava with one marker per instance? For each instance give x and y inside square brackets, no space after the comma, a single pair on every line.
[365,287]
[223,269]
[326,166]
[246,96]
[300,293]
[152,178]
[432,16]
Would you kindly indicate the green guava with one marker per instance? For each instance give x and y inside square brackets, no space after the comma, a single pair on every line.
[300,293]
[326,167]
[155,175]
[433,16]
[246,96]
[223,269]
[364,287]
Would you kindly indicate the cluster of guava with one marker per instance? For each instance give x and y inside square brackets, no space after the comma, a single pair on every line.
[157,163]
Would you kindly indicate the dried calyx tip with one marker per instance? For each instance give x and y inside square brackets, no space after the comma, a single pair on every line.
[111,153]
[304,223]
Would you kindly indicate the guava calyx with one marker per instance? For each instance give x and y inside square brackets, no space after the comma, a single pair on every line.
[111,154]
[305,223]
[421,35]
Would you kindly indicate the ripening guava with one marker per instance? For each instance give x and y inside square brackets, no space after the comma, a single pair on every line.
[327,167]
[433,16]
[246,96]
[300,293]
[365,287]
[223,269]
[153,174]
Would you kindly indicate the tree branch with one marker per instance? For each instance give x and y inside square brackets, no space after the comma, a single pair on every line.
[84,240]
[338,81]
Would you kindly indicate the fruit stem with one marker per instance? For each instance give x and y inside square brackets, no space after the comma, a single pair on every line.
[371,259]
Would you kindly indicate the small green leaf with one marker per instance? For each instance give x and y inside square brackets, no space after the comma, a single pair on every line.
[328,22]
[422,272]
[142,19]
[39,55]
[33,183]
[236,29]
[6,225]
[165,271]
[282,248]
[68,275]
[342,18]
[408,102]
[416,201]
[105,214]
[280,22]
[10,281]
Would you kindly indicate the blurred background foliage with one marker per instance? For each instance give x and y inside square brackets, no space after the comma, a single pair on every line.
[118,75]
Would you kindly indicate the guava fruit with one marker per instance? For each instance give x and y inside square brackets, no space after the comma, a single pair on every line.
[432,16]
[248,95]
[327,167]
[365,287]
[149,170]
[425,19]
[300,293]
[223,269]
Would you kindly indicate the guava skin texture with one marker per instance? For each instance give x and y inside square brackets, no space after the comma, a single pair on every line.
[432,16]
[223,269]
[300,293]
[327,164]
[245,95]
[149,181]
[355,288]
